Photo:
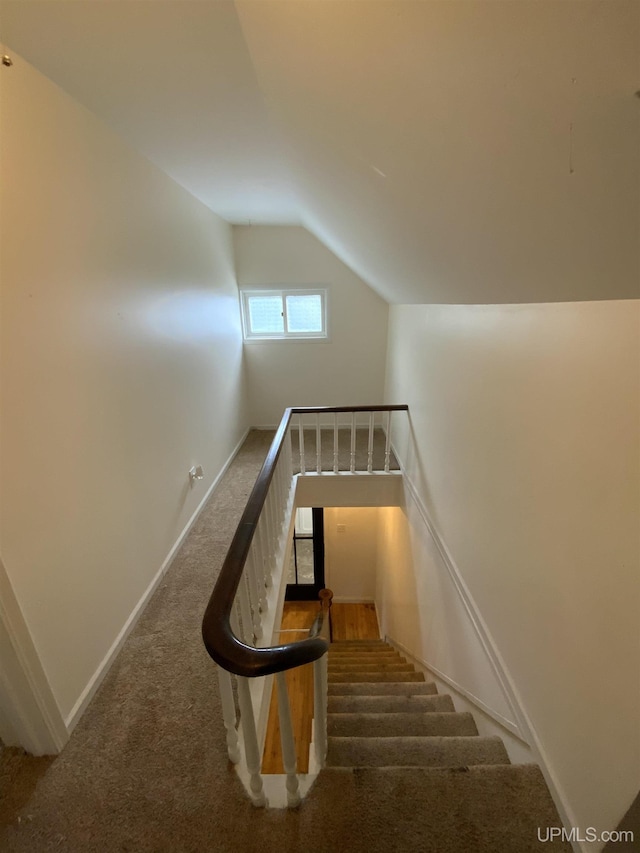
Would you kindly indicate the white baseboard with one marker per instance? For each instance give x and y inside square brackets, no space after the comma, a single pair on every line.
[96,680]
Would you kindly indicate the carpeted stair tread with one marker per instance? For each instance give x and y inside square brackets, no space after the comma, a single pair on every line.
[392,704]
[356,663]
[378,666]
[381,688]
[415,751]
[366,657]
[476,809]
[384,649]
[420,724]
[393,676]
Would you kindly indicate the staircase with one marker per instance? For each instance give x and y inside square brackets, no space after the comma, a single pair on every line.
[422,766]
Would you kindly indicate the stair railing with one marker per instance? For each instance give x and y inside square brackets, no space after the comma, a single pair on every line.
[321,628]
[245,591]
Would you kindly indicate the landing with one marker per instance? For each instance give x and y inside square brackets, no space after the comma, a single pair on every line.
[354,622]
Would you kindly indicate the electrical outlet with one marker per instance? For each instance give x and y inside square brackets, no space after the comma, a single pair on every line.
[195,473]
[341,528]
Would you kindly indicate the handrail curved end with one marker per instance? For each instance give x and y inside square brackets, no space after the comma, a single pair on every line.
[241,659]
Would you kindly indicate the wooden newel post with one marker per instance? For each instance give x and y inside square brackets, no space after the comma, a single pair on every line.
[326,598]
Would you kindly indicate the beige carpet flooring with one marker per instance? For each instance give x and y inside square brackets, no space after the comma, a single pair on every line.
[146,770]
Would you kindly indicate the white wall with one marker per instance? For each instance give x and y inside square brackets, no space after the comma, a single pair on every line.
[346,370]
[421,609]
[121,368]
[350,542]
[426,612]
[523,446]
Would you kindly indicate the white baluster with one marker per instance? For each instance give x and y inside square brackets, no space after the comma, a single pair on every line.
[234,619]
[301,444]
[288,452]
[335,442]
[262,551]
[387,447]
[282,492]
[265,517]
[277,512]
[245,610]
[277,509]
[287,741]
[352,464]
[286,478]
[258,598]
[271,531]
[268,543]
[288,468]
[370,447]
[275,529]
[318,445]
[266,548]
[229,714]
[258,566]
[254,595]
[251,748]
[276,487]
[320,679]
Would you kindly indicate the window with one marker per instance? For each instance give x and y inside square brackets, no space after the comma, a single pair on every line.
[280,314]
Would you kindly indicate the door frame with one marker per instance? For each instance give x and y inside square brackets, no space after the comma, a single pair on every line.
[29,714]
[308,591]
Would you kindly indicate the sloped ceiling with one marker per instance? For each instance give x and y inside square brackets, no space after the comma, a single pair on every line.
[449,151]
[176,80]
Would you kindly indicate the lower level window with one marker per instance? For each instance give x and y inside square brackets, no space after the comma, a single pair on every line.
[277,314]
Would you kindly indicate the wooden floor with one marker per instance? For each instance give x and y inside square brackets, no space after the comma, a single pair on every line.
[349,622]
[354,622]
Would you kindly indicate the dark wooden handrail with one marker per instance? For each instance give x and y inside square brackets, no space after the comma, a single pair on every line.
[220,641]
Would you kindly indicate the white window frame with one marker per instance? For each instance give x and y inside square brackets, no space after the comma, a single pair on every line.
[283,292]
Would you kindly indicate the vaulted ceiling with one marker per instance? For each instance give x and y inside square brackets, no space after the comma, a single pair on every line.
[449,151]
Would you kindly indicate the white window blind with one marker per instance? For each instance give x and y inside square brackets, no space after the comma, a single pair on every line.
[280,314]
